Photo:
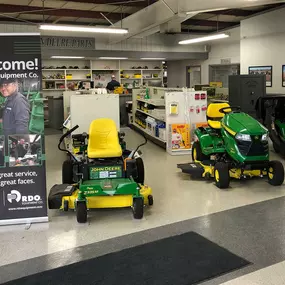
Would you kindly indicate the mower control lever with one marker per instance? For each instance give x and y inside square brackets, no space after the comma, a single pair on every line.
[68,133]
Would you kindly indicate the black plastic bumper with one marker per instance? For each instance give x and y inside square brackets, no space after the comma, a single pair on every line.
[191,168]
[57,192]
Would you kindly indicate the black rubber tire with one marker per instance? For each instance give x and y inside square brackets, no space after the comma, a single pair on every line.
[278,173]
[81,212]
[67,172]
[223,181]
[65,206]
[276,148]
[140,170]
[138,207]
[150,200]
[200,156]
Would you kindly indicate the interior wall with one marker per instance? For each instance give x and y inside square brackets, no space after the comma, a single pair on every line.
[262,42]
[177,69]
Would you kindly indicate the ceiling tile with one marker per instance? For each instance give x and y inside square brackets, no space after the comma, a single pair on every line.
[200,28]
[31,17]
[115,8]
[48,4]
[78,6]
[15,2]
[203,16]
[93,21]
[225,18]
[68,19]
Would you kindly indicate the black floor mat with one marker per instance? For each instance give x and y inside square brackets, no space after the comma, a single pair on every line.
[181,260]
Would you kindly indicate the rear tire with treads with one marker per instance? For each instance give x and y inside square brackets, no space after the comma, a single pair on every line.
[140,171]
[197,154]
[275,173]
[222,175]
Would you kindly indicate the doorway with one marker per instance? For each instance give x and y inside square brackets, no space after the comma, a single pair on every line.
[193,76]
[220,73]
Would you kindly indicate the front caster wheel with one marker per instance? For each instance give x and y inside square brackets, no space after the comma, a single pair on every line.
[65,206]
[138,205]
[150,200]
[275,173]
[222,175]
[81,212]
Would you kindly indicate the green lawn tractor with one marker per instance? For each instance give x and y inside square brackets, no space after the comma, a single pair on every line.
[271,111]
[234,145]
[106,176]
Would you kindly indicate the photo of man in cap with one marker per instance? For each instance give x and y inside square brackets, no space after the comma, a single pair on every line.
[16,111]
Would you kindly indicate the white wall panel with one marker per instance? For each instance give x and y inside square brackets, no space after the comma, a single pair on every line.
[262,42]
[177,69]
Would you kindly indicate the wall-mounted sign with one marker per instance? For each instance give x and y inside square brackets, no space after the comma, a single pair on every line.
[67,43]
[262,70]
[226,61]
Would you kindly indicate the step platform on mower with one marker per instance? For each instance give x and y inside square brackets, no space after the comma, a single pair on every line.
[192,168]
[57,192]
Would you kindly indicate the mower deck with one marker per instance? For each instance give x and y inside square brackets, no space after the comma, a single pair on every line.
[192,168]
[207,168]
[65,192]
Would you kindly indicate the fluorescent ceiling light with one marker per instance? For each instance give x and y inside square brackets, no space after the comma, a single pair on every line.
[106,57]
[63,56]
[204,39]
[206,11]
[83,29]
[152,58]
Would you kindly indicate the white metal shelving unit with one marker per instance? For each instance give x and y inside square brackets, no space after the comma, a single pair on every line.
[157,101]
[100,71]
[191,113]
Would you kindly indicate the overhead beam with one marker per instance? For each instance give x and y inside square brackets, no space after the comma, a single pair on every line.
[19,20]
[141,3]
[245,13]
[207,23]
[20,9]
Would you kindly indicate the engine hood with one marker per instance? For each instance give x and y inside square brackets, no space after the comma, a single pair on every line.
[244,124]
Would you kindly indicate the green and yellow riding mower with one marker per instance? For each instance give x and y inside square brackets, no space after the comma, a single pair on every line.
[106,176]
[234,145]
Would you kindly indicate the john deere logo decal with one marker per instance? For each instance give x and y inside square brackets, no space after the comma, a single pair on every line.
[256,137]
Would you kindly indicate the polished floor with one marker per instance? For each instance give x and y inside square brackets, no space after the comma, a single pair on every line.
[247,219]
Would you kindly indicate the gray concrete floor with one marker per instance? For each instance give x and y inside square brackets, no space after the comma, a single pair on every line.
[177,199]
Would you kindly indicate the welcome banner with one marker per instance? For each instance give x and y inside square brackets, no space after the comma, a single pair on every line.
[22,148]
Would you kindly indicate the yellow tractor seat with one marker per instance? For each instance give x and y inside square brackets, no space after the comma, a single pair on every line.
[103,139]
[214,115]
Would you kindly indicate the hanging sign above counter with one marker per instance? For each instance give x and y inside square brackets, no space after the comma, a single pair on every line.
[76,43]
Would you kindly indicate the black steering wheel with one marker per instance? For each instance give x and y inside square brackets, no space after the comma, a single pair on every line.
[232,109]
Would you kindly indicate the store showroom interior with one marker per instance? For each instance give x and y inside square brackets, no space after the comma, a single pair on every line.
[162,155]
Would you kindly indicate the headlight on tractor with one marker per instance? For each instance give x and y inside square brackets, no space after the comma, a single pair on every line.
[243,137]
[264,137]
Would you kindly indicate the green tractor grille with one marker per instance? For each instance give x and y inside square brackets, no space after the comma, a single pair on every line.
[256,147]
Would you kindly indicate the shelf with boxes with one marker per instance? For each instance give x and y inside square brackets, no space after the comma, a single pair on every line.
[150,114]
[59,75]
[135,74]
[169,116]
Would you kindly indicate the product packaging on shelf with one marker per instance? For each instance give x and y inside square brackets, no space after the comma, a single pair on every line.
[180,136]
